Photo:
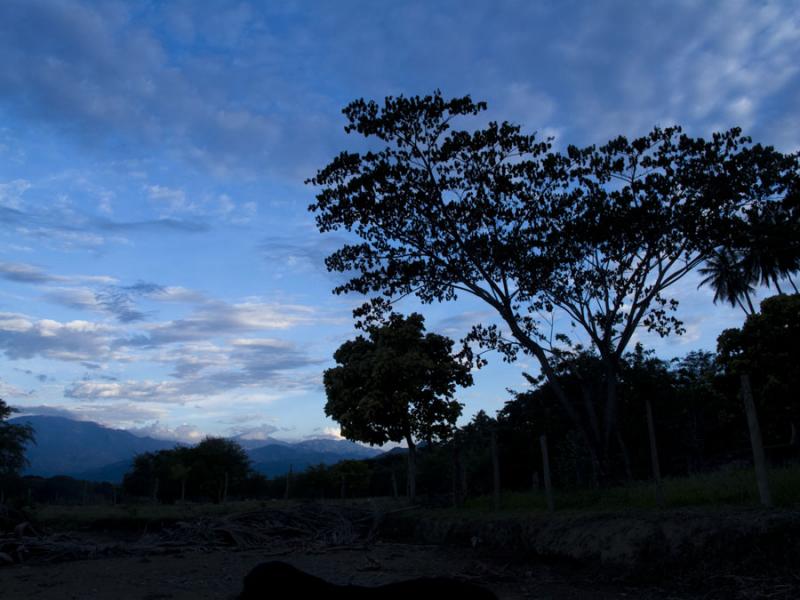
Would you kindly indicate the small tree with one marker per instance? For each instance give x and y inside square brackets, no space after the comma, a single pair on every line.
[13,440]
[396,385]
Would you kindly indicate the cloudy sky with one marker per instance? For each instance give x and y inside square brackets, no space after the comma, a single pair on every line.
[159,270]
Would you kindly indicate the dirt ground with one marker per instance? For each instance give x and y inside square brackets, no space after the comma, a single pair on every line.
[218,574]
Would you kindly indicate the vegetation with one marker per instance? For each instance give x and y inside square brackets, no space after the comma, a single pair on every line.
[595,237]
[211,470]
[398,385]
[13,439]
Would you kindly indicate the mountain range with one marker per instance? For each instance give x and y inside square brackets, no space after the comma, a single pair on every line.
[87,450]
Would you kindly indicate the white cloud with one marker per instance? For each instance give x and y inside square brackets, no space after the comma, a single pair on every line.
[25,337]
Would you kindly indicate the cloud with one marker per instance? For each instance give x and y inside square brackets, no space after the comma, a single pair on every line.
[9,391]
[216,318]
[139,391]
[111,415]
[89,70]
[119,300]
[260,432]
[185,433]
[61,226]
[24,337]
[23,273]
[75,298]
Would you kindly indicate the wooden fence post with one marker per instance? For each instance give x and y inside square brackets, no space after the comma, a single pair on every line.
[548,487]
[495,471]
[651,431]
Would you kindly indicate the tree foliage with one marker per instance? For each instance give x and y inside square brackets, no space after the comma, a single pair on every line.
[209,470]
[766,348]
[397,384]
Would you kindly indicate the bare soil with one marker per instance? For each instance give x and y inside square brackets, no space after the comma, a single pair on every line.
[217,574]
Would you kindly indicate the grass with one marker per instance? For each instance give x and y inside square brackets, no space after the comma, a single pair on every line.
[65,516]
[720,489]
[735,488]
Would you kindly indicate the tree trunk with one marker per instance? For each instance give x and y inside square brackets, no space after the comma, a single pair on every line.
[759,459]
[651,432]
[458,498]
[749,303]
[412,469]
[626,459]
[495,471]
[548,487]
[288,483]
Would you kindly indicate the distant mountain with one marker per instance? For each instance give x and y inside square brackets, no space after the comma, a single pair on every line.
[67,447]
[113,472]
[250,444]
[343,447]
[275,459]
[87,450]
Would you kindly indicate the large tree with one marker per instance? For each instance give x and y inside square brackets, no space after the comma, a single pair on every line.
[597,235]
[397,384]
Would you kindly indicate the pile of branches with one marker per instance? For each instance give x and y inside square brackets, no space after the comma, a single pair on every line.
[310,527]
[21,539]
[304,525]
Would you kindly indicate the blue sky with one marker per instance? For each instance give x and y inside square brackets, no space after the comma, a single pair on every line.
[159,270]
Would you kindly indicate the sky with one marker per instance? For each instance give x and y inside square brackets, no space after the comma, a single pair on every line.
[159,269]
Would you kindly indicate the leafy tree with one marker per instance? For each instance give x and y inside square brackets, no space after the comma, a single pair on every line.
[766,347]
[209,470]
[217,465]
[596,234]
[772,247]
[396,385]
[13,440]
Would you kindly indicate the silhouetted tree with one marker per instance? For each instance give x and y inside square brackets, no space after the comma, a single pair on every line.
[598,234]
[396,385]
[766,348]
[13,441]
[730,278]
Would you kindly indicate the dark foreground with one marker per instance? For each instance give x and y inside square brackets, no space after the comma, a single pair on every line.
[218,574]
[564,557]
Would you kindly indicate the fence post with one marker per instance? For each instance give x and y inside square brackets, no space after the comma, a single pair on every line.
[495,471]
[651,430]
[548,487]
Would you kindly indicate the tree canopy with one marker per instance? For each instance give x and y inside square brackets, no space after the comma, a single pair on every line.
[398,384]
[208,470]
[766,348]
[590,238]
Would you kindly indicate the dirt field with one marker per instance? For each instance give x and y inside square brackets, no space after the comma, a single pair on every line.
[218,575]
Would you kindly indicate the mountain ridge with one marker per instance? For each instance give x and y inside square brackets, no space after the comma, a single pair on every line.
[88,450]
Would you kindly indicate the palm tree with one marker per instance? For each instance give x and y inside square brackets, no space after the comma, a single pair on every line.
[772,252]
[730,277]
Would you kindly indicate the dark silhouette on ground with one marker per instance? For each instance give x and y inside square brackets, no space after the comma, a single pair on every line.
[265,579]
